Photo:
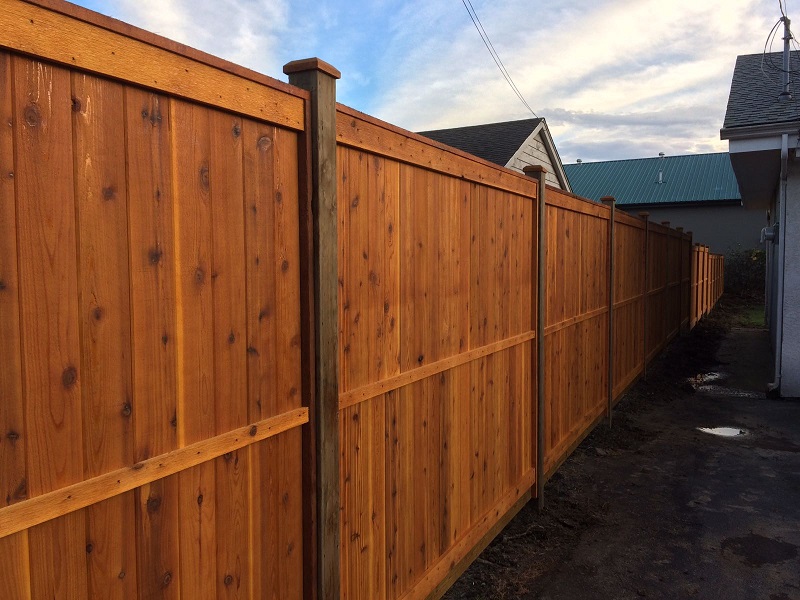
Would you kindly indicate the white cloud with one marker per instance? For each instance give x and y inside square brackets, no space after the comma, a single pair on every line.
[647,60]
[613,77]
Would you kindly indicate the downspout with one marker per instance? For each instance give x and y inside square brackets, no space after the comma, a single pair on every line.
[775,385]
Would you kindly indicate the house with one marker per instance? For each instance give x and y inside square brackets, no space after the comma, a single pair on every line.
[511,144]
[762,126]
[695,191]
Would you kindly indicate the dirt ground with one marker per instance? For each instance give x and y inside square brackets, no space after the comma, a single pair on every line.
[654,507]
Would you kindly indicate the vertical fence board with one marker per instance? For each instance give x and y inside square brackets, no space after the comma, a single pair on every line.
[49,318]
[193,186]
[287,270]
[258,141]
[362,430]
[153,260]
[15,567]
[157,539]
[101,187]
[228,272]
[13,481]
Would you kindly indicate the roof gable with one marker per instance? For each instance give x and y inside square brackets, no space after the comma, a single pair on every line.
[495,142]
[755,90]
[685,179]
[507,144]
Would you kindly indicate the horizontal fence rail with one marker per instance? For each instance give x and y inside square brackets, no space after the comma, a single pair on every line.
[260,345]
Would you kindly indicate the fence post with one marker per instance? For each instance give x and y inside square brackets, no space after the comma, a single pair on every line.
[538,172]
[611,203]
[645,215]
[319,78]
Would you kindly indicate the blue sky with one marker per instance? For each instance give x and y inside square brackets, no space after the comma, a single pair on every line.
[614,78]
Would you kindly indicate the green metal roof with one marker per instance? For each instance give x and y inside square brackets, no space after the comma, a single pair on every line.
[686,179]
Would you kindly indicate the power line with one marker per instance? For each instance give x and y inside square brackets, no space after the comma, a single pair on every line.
[495,56]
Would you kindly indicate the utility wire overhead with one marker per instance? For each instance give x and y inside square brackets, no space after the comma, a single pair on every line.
[495,56]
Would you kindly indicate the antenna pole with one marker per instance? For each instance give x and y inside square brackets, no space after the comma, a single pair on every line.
[787,35]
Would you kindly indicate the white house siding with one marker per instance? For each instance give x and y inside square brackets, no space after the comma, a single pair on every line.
[721,228]
[534,152]
[790,371]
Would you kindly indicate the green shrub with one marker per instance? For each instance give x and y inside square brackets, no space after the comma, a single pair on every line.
[745,271]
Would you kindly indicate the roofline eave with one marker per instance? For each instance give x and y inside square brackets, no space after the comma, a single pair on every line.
[756,131]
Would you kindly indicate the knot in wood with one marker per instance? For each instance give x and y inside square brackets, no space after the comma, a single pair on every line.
[69,377]
[264,142]
[153,504]
[204,177]
[33,117]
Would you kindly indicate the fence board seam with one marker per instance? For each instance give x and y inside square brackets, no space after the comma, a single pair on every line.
[371,390]
[51,505]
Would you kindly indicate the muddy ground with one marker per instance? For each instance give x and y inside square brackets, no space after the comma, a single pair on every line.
[656,508]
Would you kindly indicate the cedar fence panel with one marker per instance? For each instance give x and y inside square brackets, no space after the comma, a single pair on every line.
[160,318]
[153,391]
[437,425]
[576,321]
[629,281]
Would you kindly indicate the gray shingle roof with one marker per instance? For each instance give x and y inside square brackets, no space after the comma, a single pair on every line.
[686,179]
[755,89]
[495,142]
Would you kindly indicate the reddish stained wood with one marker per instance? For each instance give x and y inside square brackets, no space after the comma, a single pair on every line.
[275,517]
[287,271]
[198,531]
[58,558]
[98,130]
[15,566]
[192,185]
[110,555]
[153,261]
[157,539]
[363,521]
[228,272]
[259,185]
[49,317]
[13,482]
[48,282]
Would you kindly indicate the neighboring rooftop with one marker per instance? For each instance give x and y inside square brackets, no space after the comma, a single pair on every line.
[685,179]
[755,91]
[495,142]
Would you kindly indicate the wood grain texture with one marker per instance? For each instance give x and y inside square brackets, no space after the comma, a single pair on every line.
[85,493]
[362,132]
[15,566]
[75,43]
[13,480]
[153,261]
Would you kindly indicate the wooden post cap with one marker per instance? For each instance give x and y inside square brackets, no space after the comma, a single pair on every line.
[533,170]
[644,215]
[608,199]
[311,64]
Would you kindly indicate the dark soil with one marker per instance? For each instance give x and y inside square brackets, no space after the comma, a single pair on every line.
[622,516]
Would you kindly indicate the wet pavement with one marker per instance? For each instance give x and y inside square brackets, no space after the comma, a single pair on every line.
[701,501]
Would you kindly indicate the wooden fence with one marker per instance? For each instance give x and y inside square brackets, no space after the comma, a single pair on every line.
[247,358]
[152,389]
[707,282]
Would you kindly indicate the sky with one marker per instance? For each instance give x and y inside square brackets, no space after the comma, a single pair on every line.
[614,79]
